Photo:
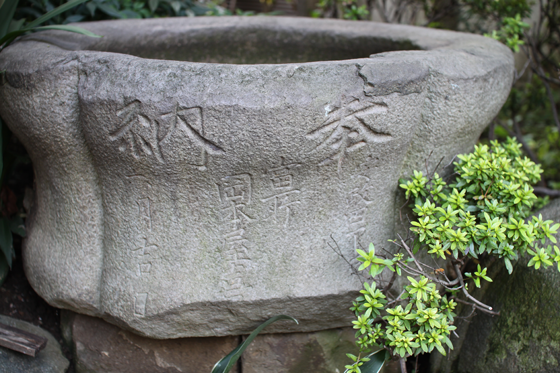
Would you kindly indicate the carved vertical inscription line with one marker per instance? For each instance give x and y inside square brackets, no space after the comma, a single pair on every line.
[235,194]
[140,304]
[143,251]
[284,196]
[357,208]
[347,128]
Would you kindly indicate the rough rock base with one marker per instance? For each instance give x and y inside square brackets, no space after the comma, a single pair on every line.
[100,347]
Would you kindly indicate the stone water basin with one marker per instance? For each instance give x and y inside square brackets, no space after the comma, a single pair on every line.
[193,175]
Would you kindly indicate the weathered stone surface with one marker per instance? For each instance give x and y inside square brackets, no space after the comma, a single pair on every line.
[317,352]
[100,347]
[526,336]
[48,360]
[192,199]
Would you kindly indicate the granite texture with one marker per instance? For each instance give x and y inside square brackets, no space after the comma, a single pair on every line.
[99,347]
[179,198]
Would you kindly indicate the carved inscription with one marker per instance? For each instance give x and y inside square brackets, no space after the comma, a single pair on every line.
[190,121]
[144,212]
[137,132]
[140,304]
[347,128]
[357,207]
[284,195]
[143,134]
[144,251]
[235,194]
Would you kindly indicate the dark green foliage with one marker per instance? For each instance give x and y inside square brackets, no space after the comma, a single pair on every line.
[10,221]
[96,10]
[484,210]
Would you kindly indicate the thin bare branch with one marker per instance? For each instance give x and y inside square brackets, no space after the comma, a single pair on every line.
[435,169]
[518,75]
[546,192]
[426,162]
[472,311]
[390,283]
[397,299]
[411,255]
[481,306]
[339,253]
[539,71]
[492,131]
[402,363]
[451,162]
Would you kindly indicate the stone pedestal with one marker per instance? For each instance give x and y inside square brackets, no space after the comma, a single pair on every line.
[100,347]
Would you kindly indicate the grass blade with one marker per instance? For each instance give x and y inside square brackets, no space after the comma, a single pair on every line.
[6,15]
[53,13]
[68,28]
[14,34]
[224,365]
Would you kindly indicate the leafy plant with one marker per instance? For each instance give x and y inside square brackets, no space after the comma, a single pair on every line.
[511,32]
[478,217]
[95,10]
[15,28]
[10,221]
[226,363]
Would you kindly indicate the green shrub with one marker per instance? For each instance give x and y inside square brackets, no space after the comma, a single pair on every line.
[481,214]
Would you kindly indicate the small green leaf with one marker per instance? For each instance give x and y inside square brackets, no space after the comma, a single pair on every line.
[226,363]
[508,265]
[7,11]
[14,34]
[77,30]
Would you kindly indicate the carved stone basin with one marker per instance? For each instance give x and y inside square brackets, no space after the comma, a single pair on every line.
[198,198]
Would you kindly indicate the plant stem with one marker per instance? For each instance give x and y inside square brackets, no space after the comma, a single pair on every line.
[402,361]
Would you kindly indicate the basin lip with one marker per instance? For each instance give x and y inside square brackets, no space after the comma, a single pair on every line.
[425,40]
